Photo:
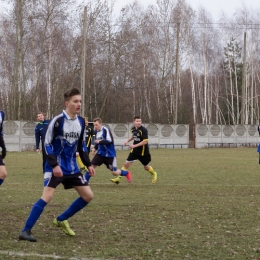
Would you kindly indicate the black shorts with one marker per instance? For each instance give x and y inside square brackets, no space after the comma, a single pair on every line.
[1,161]
[145,160]
[110,162]
[68,181]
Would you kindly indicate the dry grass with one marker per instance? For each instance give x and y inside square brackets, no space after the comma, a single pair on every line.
[205,205]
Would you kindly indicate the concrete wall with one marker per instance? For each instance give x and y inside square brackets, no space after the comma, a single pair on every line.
[226,135]
[19,135]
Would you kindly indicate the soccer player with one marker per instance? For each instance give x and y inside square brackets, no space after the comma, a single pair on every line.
[3,171]
[89,133]
[64,136]
[40,131]
[139,149]
[105,150]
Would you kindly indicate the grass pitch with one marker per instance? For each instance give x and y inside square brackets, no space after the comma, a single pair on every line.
[205,205]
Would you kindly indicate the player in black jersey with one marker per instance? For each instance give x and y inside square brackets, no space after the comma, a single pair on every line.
[139,149]
[3,172]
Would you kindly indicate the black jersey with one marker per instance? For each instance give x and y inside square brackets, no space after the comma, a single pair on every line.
[89,133]
[2,117]
[140,134]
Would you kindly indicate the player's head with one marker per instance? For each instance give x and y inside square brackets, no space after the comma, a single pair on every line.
[137,121]
[86,121]
[72,100]
[40,116]
[97,123]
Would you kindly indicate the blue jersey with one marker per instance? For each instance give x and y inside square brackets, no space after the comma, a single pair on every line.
[40,131]
[106,145]
[64,137]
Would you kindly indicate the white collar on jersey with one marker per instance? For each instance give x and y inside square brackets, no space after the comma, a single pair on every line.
[68,117]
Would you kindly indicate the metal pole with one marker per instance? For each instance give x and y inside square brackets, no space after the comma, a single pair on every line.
[83,64]
[243,108]
[177,74]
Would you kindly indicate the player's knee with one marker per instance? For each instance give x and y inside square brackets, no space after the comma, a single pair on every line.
[3,175]
[147,168]
[46,197]
[89,197]
[126,165]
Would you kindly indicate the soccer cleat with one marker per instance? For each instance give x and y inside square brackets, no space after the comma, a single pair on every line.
[129,177]
[64,226]
[27,235]
[154,180]
[116,180]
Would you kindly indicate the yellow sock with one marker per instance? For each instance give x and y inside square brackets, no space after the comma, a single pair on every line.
[123,168]
[80,163]
[151,170]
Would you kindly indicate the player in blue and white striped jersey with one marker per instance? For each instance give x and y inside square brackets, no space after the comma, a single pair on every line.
[105,150]
[65,136]
[3,171]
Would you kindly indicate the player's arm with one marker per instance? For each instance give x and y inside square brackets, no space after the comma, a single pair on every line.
[128,140]
[37,137]
[82,149]
[107,138]
[51,131]
[83,153]
[144,141]
[2,142]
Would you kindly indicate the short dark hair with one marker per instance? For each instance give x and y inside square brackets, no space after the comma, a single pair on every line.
[98,119]
[40,113]
[70,93]
[137,117]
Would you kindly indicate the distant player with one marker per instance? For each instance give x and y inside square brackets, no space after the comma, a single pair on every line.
[105,150]
[89,133]
[3,171]
[40,131]
[65,136]
[139,149]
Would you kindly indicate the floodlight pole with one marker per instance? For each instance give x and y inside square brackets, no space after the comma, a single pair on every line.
[83,64]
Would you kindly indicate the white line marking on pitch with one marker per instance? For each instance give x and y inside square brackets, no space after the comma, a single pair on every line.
[11,253]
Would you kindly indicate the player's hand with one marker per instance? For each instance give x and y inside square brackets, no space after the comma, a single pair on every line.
[131,146]
[37,150]
[91,171]
[125,143]
[96,141]
[57,171]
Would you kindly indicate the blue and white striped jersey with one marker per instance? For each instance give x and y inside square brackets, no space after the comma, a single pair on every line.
[106,145]
[65,137]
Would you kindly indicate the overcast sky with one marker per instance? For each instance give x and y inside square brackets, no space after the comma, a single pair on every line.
[214,7]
